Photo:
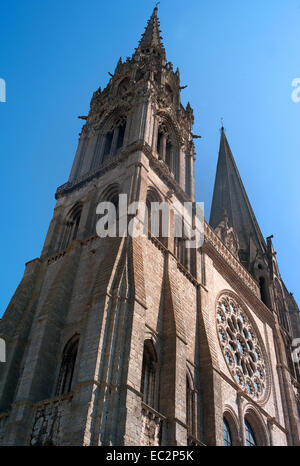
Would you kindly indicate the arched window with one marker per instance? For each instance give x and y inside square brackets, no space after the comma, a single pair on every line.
[70,230]
[110,194]
[263,291]
[108,143]
[114,138]
[250,437]
[159,147]
[121,134]
[188,174]
[66,372]
[169,154]
[153,228]
[180,250]
[167,149]
[149,367]
[190,407]
[227,434]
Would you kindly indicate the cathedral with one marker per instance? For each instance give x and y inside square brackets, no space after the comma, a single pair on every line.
[140,340]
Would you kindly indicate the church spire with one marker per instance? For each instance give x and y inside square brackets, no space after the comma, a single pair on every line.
[151,39]
[230,197]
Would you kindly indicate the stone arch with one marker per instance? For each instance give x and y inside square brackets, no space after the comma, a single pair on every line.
[150,335]
[70,227]
[114,134]
[166,118]
[256,421]
[68,360]
[111,135]
[149,376]
[109,194]
[190,377]
[233,422]
[168,143]
[261,274]
[152,195]
[191,404]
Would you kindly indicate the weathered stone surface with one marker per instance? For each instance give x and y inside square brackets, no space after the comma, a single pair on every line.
[115,294]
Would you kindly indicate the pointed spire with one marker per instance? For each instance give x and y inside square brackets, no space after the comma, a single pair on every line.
[151,38]
[230,197]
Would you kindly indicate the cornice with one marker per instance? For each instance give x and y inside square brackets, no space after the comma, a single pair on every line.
[158,166]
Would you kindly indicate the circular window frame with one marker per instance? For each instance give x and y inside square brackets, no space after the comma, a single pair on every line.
[235,367]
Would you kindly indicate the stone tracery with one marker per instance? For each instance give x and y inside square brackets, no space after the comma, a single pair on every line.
[241,347]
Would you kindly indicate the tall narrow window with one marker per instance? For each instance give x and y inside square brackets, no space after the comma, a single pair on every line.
[154,222]
[70,230]
[168,148]
[66,372]
[250,437]
[121,135]
[181,251]
[190,407]
[108,143]
[148,381]
[76,221]
[227,434]
[114,139]
[263,290]
[188,175]
[96,157]
[159,143]
[84,145]
[169,155]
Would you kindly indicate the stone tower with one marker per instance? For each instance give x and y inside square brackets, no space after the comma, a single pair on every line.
[140,340]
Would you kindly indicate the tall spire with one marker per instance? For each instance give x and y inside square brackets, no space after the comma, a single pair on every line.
[230,197]
[151,38]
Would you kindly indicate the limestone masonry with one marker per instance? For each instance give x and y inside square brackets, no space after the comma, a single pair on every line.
[142,341]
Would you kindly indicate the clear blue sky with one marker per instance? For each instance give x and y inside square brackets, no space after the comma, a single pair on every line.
[238,60]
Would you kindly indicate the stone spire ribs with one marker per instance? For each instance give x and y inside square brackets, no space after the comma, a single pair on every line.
[230,199]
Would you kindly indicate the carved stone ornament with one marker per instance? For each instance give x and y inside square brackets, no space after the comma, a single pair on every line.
[229,237]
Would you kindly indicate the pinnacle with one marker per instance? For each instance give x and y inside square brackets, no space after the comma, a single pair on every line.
[151,37]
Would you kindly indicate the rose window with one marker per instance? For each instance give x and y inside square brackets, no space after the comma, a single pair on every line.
[241,347]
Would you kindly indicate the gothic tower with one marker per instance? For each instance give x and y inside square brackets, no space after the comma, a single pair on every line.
[139,340]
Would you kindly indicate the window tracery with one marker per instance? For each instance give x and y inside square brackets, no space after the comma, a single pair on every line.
[241,347]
